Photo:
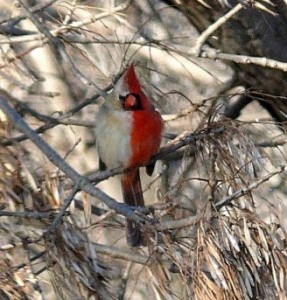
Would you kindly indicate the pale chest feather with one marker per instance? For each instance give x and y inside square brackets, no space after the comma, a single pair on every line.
[113,138]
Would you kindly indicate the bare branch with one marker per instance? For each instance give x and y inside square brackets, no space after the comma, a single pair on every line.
[243,59]
[244,191]
[212,28]
[64,28]
[63,209]
[80,181]
[51,122]
[38,215]
[38,7]
[180,223]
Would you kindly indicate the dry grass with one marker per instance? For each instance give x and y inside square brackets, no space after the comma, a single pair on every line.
[227,250]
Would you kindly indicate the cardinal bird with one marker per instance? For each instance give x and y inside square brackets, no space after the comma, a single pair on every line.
[128,133]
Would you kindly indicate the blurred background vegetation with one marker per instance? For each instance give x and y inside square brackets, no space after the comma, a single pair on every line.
[216,71]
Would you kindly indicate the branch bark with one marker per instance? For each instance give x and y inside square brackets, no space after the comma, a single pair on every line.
[82,182]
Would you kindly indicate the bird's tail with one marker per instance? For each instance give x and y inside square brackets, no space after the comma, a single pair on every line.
[133,195]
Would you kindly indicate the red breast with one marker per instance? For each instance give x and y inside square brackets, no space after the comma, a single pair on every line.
[147,124]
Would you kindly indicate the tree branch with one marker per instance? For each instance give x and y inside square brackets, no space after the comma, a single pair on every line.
[244,59]
[38,215]
[244,191]
[64,28]
[82,182]
[212,28]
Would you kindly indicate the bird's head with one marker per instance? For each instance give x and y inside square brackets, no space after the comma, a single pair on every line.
[128,94]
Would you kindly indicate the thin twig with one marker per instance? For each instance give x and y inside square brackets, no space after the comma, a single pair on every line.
[35,257]
[24,107]
[38,215]
[52,122]
[39,25]
[80,181]
[244,191]
[94,209]
[271,144]
[64,28]
[38,7]
[188,140]
[164,151]
[66,205]
[69,15]
[58,48]
[244,59]
[125,278]
[213,27]
[175,224]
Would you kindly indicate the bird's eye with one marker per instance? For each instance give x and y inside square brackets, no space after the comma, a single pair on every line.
[131,101]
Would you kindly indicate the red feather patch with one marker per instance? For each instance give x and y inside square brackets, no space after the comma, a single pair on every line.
[132,80]
[146,136]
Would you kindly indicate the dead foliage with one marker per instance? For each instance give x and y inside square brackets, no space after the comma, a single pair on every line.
[218,237]
[216,224]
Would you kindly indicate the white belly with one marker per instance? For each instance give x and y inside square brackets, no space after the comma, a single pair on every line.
[113,132]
